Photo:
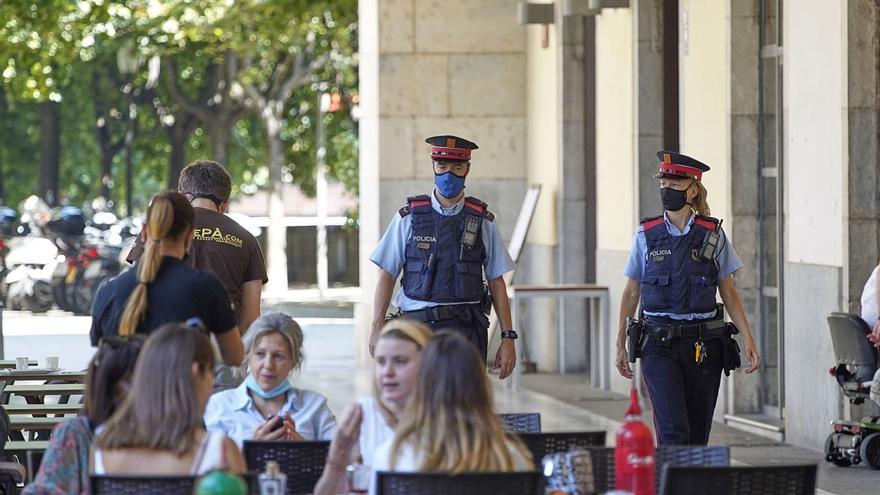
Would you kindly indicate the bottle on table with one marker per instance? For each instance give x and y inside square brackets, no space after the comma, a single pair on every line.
[272,480]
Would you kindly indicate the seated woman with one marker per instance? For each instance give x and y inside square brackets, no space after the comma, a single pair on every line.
[450,425]
[158,428]
[65,466]
[397,357]
[373,419]
[162,289]
[267,406]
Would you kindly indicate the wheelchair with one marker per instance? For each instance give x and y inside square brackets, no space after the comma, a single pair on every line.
[853,442]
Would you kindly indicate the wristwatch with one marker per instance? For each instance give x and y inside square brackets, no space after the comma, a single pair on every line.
[509,334]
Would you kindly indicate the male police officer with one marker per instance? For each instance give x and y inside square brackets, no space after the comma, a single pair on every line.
[445,243]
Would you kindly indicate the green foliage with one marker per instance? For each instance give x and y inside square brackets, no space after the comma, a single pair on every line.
[49,49]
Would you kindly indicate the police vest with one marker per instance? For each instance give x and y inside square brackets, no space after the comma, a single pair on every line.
[445,254]
[676,279]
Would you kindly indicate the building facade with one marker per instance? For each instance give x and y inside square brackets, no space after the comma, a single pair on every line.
[779,97]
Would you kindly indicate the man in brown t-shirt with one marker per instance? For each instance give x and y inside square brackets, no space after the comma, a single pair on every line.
[220,245]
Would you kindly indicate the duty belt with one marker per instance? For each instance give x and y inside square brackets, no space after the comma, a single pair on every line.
[707,330]
[440,313]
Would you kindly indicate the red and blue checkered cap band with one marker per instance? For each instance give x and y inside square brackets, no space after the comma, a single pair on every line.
[680,170]
[456,154]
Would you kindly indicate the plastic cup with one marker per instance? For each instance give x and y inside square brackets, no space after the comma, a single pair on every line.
[21,363]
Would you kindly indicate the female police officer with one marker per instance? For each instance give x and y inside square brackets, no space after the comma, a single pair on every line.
[678,260]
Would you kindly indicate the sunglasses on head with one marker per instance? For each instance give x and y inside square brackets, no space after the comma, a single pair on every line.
[116,342]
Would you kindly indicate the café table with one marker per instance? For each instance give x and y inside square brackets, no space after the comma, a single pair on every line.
[28,448]
[10,363]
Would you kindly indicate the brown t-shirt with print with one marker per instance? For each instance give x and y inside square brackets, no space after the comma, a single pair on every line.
[223,247]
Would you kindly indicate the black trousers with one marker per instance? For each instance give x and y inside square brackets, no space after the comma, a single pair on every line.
[682,392]
[472,323]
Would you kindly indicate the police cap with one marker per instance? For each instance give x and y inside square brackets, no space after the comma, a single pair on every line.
[450,148]
[677,166]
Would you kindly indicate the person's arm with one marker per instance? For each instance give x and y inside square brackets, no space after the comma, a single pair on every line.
[875,333]
[234,460]
[505,358]
[381,301]
[250,304]
[734,306]
[629,302]
[333,478]
[231,348]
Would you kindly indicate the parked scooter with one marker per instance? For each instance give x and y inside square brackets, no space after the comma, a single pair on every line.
[31,262]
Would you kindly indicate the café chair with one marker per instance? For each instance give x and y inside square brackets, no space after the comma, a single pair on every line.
[521,422]
[516,483]
[739,480]
[301,461]
[541,444]
[142,485]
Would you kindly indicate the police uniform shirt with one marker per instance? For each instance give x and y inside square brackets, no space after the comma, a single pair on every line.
[389,254]
[726,260]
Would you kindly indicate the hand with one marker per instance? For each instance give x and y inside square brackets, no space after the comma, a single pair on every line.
[348,430]
[374,336]
[269,430]
[622,363]
[290,428]
[505,358]
[874,336]
[753,359]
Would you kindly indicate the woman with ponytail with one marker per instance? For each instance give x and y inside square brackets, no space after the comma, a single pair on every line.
[680,261]
[162,289]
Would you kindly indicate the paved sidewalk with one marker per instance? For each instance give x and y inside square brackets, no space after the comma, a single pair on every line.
[606,410]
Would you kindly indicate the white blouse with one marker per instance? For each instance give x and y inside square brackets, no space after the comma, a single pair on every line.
[233,412]
[374,430]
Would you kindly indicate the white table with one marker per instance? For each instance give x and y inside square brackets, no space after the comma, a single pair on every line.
[597,297]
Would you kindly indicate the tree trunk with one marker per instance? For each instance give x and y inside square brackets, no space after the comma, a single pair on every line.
[276,233]
[50,150]
[220,130]
[178,136]
[107,155]
[129,179]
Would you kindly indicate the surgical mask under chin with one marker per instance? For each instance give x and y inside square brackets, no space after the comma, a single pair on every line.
[449,184]
[672,199]
[251,383]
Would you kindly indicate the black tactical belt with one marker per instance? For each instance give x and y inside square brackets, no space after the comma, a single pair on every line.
[707,330]
[440,313]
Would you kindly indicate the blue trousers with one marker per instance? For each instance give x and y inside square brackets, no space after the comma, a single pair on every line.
[682,392]
[474,325]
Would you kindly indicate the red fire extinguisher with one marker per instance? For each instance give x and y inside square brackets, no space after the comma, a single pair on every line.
[634,454]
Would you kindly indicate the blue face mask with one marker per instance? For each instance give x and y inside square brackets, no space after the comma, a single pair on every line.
[251,383]
[449,184]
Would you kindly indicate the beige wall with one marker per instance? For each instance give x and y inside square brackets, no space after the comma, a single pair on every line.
[422,75]
[542,129]
[615,140]
[815,101]
[704,88]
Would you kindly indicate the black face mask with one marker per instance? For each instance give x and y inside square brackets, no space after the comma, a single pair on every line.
[673,200]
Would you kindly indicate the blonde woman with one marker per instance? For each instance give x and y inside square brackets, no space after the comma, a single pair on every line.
[162,289]
[267,406]
[679,261]
[158,428]
[449,425]
[371,422]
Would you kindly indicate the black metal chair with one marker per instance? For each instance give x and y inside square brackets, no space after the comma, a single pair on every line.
[667,455]
[541,444]
[518,483]
[302,462]
[142,485]
[521,422]
[739,480]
